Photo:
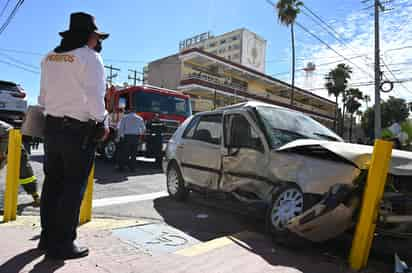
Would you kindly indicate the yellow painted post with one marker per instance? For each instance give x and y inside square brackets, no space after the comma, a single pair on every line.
[86,208]
[372,196]
[12,176]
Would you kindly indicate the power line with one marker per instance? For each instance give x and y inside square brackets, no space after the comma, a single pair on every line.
[4,8]
[331,48]
[336,34]
[19,62]
[11,16]
[331,31]
[322,64]
[20,67]
[395,78]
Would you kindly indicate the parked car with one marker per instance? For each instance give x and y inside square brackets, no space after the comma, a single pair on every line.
[12,103]
[308,180]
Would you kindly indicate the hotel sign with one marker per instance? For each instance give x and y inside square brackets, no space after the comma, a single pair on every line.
[187,43]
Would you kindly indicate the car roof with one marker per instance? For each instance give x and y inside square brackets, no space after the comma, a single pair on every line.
[7,83]
[245,105]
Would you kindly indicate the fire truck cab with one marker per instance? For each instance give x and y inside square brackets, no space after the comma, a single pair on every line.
[171,106]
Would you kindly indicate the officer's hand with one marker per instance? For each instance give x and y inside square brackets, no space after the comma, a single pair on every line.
[106,133]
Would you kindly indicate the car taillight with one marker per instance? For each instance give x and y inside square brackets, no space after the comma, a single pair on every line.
[19,95]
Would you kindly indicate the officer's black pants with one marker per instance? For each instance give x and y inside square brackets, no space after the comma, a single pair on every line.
[128,150]
[67,167]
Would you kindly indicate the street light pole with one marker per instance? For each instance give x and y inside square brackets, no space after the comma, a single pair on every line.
[378,124]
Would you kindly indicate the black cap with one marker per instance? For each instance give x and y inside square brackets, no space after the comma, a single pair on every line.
[83,22]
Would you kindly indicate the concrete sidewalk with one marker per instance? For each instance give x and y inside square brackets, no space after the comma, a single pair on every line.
[246,252]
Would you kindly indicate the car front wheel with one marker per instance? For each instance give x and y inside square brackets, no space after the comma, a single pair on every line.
[175,184]
[287,203]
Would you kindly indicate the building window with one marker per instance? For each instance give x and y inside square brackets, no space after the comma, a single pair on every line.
[236,46]
[222,41]
[235,38]
[212,44]
[229,57]
[236,56]
[229,47]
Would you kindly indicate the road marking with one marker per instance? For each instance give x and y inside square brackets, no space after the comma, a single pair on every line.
[104,202]
[205,247]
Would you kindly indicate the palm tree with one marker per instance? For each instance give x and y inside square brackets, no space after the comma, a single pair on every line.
[336,84]
[354,95]
[288,10]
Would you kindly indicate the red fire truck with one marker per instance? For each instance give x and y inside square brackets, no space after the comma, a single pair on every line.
[171,106]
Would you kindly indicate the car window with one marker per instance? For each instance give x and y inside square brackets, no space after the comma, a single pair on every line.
[209,129]
[243,132]
[190,129]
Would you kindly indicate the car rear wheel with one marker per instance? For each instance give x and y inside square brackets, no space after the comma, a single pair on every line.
[175,184]
[287,203]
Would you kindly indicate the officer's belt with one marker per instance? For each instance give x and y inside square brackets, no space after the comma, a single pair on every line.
[65,122]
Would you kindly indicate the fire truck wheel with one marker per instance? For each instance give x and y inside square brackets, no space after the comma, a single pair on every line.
[109,150]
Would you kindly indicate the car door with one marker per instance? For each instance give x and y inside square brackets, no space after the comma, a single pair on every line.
[200,151]
[246,167]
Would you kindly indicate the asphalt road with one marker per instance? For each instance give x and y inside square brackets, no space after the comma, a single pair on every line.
[142,194]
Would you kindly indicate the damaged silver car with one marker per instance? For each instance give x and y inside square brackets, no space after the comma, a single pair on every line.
[309,181]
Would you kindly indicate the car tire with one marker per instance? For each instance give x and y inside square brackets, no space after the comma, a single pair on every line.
[287,203]
[175,184]
[109,150]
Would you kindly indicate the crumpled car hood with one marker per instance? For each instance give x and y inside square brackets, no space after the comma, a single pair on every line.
[360,155]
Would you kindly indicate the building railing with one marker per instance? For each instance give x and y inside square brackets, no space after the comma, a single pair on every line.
[214,83]
[214,80]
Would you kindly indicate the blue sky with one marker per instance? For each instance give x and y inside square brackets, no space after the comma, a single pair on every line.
[142,31]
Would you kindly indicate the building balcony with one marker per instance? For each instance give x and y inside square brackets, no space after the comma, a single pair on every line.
[200,84]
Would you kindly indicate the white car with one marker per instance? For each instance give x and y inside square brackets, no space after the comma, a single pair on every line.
[305,177]
[12,103]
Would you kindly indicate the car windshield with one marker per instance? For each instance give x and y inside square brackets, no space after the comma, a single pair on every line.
[157,103]
[284,126]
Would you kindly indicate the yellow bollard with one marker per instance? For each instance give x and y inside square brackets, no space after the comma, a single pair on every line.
[12,176]
[372,196]
[86,208]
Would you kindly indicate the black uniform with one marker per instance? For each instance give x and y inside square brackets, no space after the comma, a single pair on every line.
[155,139]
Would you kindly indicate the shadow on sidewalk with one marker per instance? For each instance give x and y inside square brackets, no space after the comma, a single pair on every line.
[17,263]
[200,220]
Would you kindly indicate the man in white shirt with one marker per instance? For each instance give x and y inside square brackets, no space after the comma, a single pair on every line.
[131,129]
[72,94]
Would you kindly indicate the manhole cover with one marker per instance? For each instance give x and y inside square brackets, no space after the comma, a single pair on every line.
[156,238]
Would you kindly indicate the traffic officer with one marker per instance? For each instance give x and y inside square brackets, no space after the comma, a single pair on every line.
[155,140]
[27,178]
[131,130]
[72,94]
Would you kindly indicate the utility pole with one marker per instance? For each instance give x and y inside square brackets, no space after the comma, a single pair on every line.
[134,77]
[111,74]
[378,122]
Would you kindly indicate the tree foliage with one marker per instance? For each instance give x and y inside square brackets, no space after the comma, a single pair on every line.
[288,10]
[393,110]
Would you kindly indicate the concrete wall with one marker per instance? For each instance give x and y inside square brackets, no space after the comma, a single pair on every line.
[165,72]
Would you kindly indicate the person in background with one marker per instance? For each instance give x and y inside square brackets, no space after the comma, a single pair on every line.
[27,178]
[131,130]
[155,142]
